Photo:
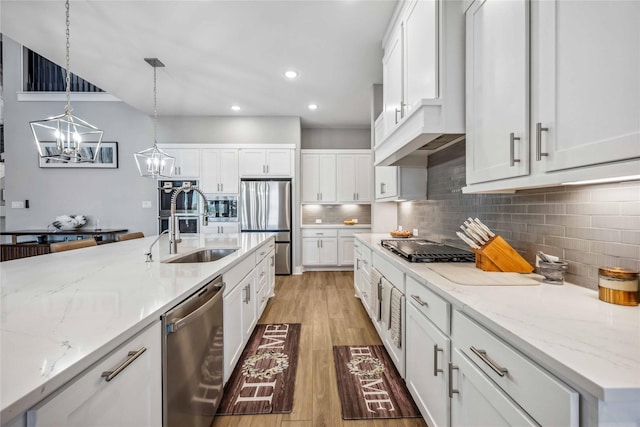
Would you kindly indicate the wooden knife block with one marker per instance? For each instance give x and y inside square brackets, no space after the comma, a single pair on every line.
[498,255]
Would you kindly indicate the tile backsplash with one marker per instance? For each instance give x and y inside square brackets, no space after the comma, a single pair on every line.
[335,214]
[589,226]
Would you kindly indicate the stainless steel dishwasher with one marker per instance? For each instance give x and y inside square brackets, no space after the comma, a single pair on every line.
[192,358]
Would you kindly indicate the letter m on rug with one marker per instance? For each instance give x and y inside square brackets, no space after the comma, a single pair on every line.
[375,396]
[274,337]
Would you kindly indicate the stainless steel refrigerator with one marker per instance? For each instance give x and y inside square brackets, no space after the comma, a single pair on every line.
[265,206]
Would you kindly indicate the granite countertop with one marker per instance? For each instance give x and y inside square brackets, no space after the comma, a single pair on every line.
[62,312]
[579,338]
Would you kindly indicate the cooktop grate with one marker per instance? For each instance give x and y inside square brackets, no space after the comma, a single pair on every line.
[427,251]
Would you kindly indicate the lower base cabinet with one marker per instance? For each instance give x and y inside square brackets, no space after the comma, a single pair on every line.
[129,397]
[427,375]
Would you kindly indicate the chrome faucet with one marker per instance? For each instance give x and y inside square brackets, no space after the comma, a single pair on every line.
[174,233]
[148,254]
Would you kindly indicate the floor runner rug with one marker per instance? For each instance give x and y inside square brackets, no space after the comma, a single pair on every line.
[369,384]
[263,380]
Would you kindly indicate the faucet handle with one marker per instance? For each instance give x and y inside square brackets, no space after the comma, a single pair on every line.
[149,257]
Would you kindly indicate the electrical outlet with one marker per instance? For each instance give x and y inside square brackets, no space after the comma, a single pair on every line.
[318,221]
[146,204]
[17,205]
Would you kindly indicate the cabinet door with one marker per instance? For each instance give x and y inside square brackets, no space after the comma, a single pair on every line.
[426,370]
[392,82]
[228,171]
[249,297]
[233,331]
[310,251]
[252,162]
[187,164]
[229,227]
[310,171]
[477,401]
[587,69]
[210,171]
[345,251]
[347,177]
[278,162]
[329,251]
[497,90]
[132,398]
[386,182]
[364,171]
[421,52]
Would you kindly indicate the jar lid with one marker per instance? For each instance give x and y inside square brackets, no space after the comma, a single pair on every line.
[618,272]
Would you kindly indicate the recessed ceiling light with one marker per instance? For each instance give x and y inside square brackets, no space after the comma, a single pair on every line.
[290,74]
[235,107]
[313,106]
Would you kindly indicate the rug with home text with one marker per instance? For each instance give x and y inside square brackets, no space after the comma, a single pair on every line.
[263,380]
[369,384]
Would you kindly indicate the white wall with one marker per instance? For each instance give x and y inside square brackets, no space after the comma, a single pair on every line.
[336,138]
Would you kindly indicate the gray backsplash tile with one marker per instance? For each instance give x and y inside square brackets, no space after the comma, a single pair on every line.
[590,226]
[336,214]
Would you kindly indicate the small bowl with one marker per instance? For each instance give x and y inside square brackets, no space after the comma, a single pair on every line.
[553,271]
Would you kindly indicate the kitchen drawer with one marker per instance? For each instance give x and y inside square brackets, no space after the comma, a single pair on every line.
[350,232]
[387,269]
[263,251]
[429,304]
[319,232]
[546,399]
[233,277]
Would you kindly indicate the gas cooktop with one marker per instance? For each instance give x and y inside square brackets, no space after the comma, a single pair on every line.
[420,250]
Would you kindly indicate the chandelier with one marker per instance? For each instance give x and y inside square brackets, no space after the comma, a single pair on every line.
[153,162]
[67,138]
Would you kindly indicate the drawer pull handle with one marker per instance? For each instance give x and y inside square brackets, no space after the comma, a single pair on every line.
[482,354]
[451,389]
[435,360]
[419,301]
[131,356]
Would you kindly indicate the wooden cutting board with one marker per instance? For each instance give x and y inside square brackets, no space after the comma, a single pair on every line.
[468,274]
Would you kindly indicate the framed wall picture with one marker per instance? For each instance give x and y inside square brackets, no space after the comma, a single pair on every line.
[107,157]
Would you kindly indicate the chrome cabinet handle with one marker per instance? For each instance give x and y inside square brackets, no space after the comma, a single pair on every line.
[402,108]
[267,168]
[452,391]
[435,360]
[482,354]
[383,188]
[539,130]
[221,186]
[397,110]
[512,142]
[419,301]
[131,356]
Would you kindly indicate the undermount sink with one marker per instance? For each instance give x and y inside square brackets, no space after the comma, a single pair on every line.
[203,255]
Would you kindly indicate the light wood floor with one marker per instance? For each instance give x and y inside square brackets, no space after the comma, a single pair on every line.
[330,314]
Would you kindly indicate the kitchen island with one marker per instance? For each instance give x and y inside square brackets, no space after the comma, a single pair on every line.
[63,312]
[585,350]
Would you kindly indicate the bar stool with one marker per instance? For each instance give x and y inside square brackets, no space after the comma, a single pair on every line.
[73,244]
[129,236]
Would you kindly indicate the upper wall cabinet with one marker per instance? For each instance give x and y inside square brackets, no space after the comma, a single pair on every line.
[318,172]
[423,76]
[269,162]
[584,104]
[497,90]
[187,163]
[219,169]
[395,183]
[354,178]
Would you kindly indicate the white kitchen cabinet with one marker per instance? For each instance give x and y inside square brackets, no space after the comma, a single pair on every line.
[249,301]
[586,86]
[233,329]
[354,178]
[392,91]
[219,172]
[362,277]
[318,177]
[221,228]
[187,163]
[428,351]
[266,162]
[497,110]
[584,78]
[345,250]
[319,246]
[132,397]
[476,401]
[400,183]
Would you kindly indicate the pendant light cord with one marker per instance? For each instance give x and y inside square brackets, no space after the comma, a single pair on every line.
[67,109]
[155,109]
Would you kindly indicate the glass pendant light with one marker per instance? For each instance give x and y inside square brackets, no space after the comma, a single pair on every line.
[153,162]
[67,138]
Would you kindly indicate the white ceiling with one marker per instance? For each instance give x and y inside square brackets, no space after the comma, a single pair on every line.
[218,53]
